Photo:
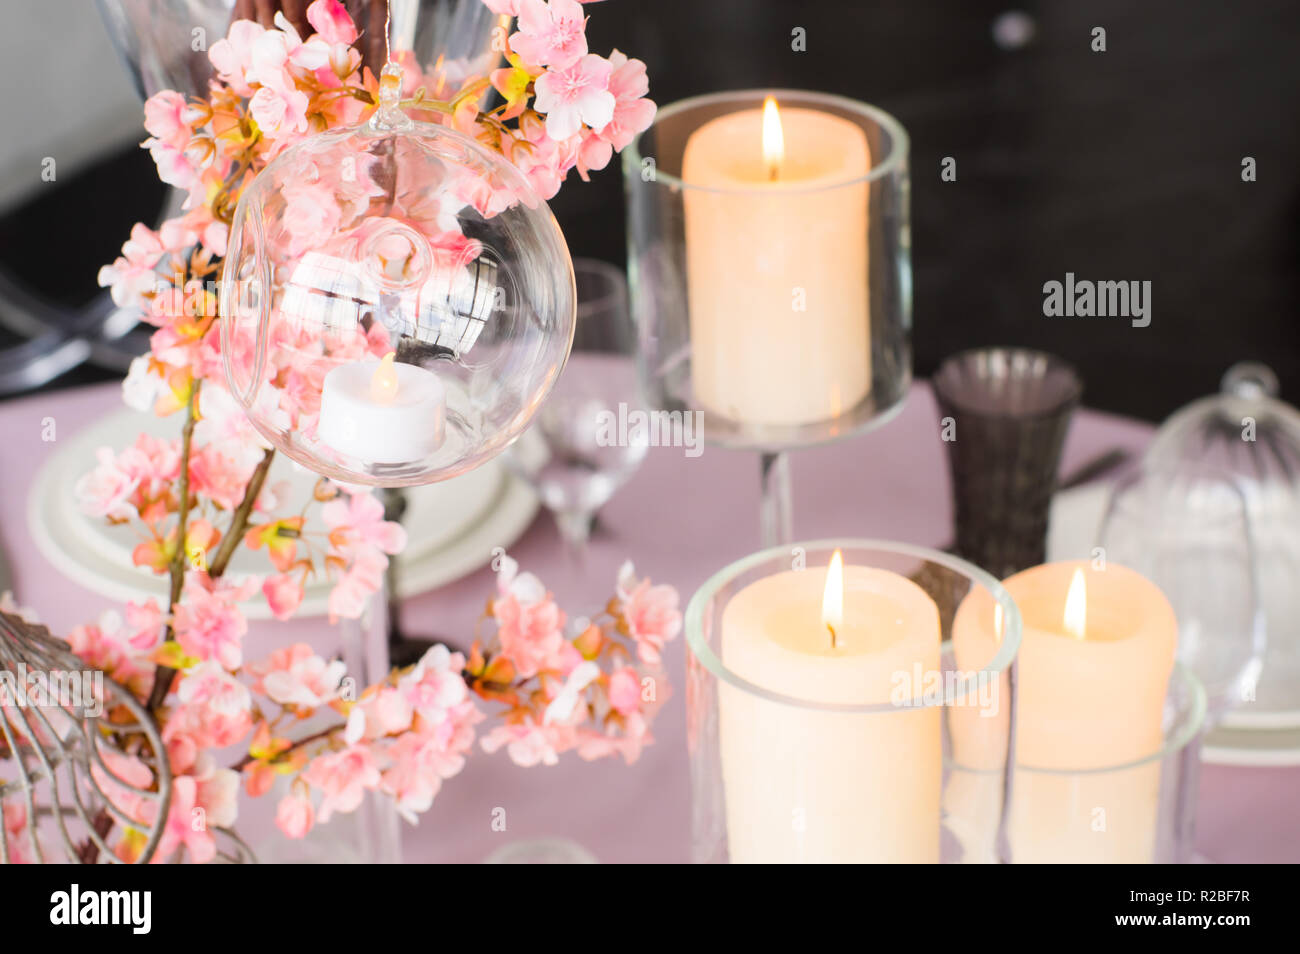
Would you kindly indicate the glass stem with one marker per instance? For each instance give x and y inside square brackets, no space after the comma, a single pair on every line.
[575,527]
[365,653]
[776,512]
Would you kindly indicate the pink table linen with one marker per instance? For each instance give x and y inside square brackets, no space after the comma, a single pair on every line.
[679,519]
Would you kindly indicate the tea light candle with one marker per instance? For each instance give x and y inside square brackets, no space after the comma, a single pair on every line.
[382,412]
[775,212]
[1094,666]
[806,785]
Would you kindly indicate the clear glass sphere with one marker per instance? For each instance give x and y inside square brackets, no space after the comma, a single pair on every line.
[396,303]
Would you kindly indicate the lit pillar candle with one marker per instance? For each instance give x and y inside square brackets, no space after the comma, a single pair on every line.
[777,264]
[804,785]
[382,412]
[1094,666]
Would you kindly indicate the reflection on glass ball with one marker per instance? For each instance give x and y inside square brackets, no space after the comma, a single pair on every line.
[396,302]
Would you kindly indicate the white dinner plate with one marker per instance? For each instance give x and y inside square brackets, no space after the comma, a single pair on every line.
[452,526]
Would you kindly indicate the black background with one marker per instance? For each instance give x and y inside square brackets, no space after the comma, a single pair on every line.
[1122,165]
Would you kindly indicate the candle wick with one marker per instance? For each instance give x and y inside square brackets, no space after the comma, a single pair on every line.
[832,629]
[773,172]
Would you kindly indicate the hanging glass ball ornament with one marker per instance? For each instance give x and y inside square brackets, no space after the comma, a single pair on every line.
[396,302]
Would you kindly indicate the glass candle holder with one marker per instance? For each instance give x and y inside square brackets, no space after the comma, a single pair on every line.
[827,718]
[396,301]
[772,290]
[770,271]
[1105,770]
[1140,812]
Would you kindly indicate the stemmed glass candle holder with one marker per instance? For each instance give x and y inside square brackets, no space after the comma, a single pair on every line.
[770,271]
[574,455]
[827,718]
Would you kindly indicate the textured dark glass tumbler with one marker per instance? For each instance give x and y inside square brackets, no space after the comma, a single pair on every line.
[1010,409]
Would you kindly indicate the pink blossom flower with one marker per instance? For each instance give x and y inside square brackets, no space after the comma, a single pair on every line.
[213,709]
[530,744]
[331,21]
[283,594]
[651,614]
[220,478]
[386,711]
[574,95]
[624,690]
[530,633]
[145,622]
[202,726]
[133,273]
[550,33]
[276,111]
[435,685]
[107,490]
[154,461]
[296,676]
[357,521]
[186,826]
[592,745]
[210,686]
[344,778]
[544,164]
[217,793]
[224,424]
[102,646]
[207,622]
[420,763]
[294,815]
[163,118]
[633,113]
[311,214]
[347,599]
[232,56]
[118,778]
[175,166]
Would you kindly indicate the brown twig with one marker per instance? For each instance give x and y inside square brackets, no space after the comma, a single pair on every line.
[314,737]
[239,522]
[163,676]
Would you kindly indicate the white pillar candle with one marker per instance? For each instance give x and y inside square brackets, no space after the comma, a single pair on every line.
[1094,665]
[776,256]
[382,412]
[804,785]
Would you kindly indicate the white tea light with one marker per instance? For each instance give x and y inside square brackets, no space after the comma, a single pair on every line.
[382,412]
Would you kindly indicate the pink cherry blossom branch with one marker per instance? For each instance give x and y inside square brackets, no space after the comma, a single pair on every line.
[163,675]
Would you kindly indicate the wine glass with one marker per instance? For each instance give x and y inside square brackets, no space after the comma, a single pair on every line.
[1187,529]
[589,437]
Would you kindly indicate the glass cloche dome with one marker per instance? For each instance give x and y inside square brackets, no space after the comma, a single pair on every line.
[1247,431]
[397,302]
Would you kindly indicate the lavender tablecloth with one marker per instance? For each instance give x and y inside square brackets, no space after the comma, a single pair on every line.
[679,520]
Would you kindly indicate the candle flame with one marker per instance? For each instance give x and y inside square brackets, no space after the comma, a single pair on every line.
[833,597]
[1076,606]
[773,138]
[383,386]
